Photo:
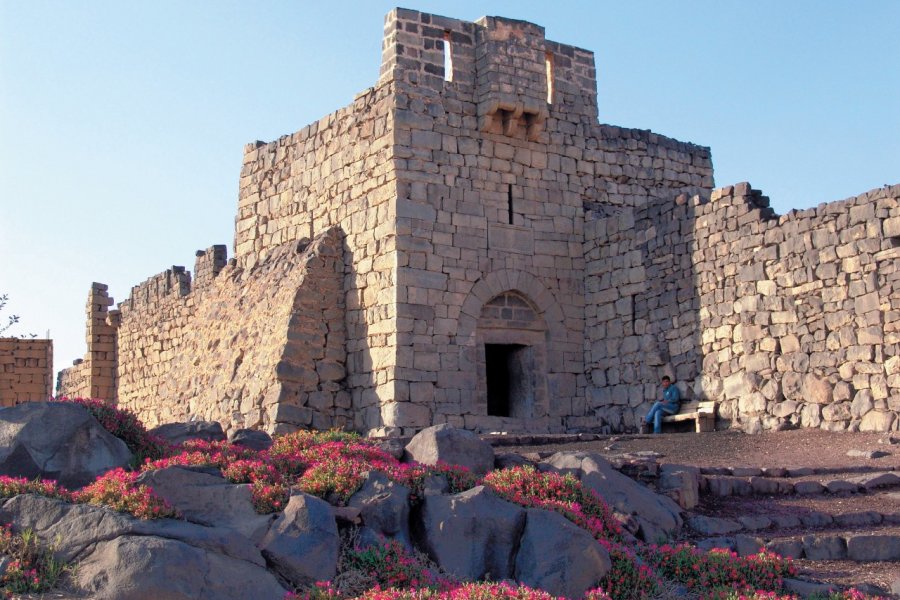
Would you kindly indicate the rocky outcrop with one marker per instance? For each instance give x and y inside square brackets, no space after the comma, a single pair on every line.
[472,535]
[125,558]
[658,517]
[383,509]
[57,440]
[204,497]
[219,547]
[559,557]
[445,443]
[150,568]
[253,439]
[302,544]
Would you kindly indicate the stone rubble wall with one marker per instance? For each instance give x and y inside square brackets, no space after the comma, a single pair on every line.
[26,370]
[785,321]
[337,171]
[255,347]
[74,381]
[800,314]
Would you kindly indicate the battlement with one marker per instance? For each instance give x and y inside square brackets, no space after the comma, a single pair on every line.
[516,77]
[174,282]
[209,264]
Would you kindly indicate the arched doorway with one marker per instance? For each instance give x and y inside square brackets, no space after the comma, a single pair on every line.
[511,358]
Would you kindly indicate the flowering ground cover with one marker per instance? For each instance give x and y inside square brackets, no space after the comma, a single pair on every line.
[333,466]
[31,568]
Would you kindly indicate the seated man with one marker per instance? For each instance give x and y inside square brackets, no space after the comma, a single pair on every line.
[669,405]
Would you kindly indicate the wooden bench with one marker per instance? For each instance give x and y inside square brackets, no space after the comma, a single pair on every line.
[704,413]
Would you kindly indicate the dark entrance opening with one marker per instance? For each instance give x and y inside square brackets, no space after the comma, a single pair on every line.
[509,369]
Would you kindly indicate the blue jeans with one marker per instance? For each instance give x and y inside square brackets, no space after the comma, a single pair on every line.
[656,414]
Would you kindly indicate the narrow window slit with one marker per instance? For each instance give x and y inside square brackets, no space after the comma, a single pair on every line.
[548,63]
[448,58]
[509,197]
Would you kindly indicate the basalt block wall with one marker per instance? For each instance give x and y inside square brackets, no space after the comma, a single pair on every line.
[800,314]
[94,376]
[26,370]
[469,216]
[642,305]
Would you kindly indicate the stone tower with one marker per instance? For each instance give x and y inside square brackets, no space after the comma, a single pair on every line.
[462,182]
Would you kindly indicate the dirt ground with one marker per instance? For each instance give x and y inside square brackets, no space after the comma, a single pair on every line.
[788,449]
[785,449]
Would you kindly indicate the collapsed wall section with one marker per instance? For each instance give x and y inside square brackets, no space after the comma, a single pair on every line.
[337,172]
[94,376]
[255,347]
[26,370]
[800,314]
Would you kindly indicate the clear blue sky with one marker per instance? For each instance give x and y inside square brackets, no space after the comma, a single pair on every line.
[123,123]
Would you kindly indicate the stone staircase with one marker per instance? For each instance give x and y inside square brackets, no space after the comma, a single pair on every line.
[836,513]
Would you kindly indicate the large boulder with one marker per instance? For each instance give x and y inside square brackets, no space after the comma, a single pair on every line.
[473,534]
[57,440]
[254,439]
[203,496]
[877,421]
[383,507]
[658,516]
[121,557]
[681,483]
[302,544]
[448,444]
[152,568]
[179,433]
[74,529]
[559,557]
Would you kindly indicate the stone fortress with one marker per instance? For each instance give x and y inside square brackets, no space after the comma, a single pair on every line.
[466,243]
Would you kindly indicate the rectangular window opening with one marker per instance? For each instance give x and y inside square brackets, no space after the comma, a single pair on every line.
[548,63]
[510,210]
[509,369]
[448,58]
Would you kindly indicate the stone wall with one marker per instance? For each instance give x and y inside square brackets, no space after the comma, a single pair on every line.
[786,321]
[94,376]
[336,172]
[643,308]
[252,347]
[26,370]
[800,314]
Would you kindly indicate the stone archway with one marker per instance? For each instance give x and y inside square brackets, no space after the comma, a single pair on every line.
[520,342]
[511,358]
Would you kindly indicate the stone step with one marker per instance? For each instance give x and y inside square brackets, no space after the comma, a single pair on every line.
[793,471]
[872,546]
[734,485]
[759,524]
[517,439]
